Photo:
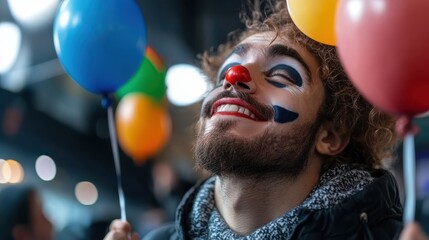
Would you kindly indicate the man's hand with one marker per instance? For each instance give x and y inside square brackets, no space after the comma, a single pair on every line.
[120,230]
[413,232]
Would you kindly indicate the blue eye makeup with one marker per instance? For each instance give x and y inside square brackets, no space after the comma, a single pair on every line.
[276,84]
[285,71]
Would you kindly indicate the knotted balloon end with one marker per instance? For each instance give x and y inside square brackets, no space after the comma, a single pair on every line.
[106,101]
[404,125]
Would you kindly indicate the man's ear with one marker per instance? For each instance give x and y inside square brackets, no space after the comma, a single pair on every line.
[21,232]
[331,141]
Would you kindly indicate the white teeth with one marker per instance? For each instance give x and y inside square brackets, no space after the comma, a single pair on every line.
[235,108]
[223,108]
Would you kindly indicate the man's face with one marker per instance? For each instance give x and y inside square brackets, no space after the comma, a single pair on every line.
[265,126]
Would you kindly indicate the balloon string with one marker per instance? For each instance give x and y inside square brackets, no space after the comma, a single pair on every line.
[409,178]
[114,143]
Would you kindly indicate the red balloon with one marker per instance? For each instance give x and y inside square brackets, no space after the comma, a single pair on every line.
[384,47]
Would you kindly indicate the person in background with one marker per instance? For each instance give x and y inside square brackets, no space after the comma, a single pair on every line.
[22,216]
[295,152]
[168,187]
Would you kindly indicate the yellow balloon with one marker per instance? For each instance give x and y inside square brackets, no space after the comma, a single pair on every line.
[315,18]
[143,126]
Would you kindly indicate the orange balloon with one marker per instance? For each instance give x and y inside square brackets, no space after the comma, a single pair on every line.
[143,126]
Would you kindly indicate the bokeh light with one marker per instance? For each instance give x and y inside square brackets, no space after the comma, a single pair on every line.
[4,171]
[86,193]
[10,44]
[46,168]
[186,84]
[16,171]
[33,14]
[17,77]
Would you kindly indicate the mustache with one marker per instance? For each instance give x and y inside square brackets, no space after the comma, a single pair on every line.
[265,110]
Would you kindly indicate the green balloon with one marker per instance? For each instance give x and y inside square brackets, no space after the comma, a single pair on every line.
[147,80]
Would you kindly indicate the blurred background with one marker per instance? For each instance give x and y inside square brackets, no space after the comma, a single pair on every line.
[54,134]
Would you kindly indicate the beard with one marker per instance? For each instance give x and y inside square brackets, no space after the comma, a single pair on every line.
[267,156]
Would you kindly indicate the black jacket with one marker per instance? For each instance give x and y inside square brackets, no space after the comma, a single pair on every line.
[374,213]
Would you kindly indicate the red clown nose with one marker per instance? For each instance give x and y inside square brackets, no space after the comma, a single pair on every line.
[237,73]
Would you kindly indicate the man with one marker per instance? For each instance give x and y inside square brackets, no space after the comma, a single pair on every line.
[294,149]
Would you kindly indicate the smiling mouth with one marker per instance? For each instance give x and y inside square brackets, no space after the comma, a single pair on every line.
[236,107]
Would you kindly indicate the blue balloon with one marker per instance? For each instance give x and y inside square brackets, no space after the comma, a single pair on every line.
[100,43]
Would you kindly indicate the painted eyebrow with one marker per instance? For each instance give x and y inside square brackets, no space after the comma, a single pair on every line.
[276,50]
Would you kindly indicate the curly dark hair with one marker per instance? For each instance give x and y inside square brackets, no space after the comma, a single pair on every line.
[372,135]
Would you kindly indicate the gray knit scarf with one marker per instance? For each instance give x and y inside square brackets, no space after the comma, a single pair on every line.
[335,185]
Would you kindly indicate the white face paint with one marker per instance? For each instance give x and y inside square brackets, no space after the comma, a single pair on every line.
[283,77]
[266,124]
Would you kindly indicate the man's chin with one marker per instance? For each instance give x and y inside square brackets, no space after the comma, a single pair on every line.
[213,126]
[267,155]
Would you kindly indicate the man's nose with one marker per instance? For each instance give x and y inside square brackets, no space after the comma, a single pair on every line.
[238,77]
